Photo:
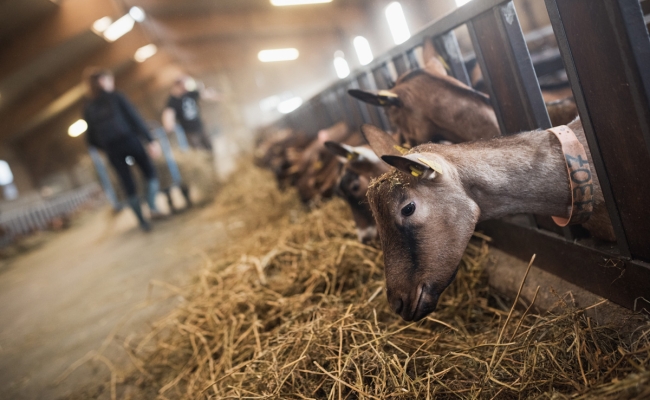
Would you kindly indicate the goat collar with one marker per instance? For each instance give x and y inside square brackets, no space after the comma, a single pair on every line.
[582,188]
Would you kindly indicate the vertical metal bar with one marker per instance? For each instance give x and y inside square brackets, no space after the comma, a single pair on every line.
[510,79]
[447,46]
[348,108]
[381,82]
[367,82]
[610,85]
[365,115]
[413,59]
[400,63]
[508,70]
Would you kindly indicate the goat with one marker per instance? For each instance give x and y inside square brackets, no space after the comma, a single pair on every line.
[427,105]
[360,166]
[424,223]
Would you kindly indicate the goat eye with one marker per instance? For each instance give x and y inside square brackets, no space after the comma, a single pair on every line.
[355,187]
[408,209]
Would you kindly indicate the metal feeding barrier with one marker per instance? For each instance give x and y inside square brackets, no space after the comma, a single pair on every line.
[25,220]
[605,50]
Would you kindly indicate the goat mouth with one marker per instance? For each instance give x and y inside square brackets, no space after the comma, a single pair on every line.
[416,305]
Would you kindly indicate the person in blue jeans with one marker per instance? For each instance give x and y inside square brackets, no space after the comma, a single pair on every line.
[115,127]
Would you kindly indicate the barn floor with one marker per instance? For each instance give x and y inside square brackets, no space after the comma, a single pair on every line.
[98,279]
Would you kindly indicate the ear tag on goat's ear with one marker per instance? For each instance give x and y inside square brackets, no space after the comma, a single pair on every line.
[415,172]
[444,63]
[352,155]
[432,164]
[401,149]
[387,93]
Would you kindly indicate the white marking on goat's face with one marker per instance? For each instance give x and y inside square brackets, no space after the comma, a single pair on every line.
[424,226]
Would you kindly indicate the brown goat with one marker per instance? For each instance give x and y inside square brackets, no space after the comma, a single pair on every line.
[427,105]
[424,223]
[360,166]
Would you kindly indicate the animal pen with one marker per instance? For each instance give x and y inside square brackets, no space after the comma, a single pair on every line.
[605,50]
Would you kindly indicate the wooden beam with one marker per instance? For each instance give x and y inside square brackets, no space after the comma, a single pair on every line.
[182,28]
[73,18]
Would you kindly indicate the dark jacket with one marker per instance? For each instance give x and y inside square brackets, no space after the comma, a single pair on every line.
[112,118]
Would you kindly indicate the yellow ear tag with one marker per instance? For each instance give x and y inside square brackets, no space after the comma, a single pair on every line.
[415,172]
[444,63]
[387,93]
[431,164]
[401,149]
[318,165]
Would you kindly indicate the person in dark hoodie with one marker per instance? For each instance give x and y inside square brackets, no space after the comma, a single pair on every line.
[115,127]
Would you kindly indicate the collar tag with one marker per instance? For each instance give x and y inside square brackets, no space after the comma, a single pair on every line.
[580,178]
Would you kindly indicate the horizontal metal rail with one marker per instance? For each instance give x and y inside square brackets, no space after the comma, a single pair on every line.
[25,220]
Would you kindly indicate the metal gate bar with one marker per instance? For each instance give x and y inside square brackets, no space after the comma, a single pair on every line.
[609,71]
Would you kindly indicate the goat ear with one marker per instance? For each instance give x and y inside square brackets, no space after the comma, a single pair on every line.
[384,98]
[381,142]
[411,166]
[341,150]
[433,61]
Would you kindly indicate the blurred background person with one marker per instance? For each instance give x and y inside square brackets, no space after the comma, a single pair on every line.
[183,108]
[115,127]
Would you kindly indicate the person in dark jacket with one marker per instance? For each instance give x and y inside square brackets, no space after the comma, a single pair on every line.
[115,127]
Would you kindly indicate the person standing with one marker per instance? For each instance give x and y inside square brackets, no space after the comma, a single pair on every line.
[183,107]
[115,127]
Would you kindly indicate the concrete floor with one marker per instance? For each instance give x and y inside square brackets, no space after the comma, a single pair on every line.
[62,300]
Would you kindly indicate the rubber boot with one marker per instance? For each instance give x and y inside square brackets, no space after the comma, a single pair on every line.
[170,202]
[134,202]
[186,193]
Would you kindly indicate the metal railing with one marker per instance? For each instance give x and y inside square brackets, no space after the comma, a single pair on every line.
[605,50]
[22,221]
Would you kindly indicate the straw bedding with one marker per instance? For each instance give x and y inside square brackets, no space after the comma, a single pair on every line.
[294,308]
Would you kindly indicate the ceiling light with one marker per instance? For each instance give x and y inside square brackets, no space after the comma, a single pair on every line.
[6,177]
[297,2]
[137,14]
[77,128]
[462,2]
[340,65]
[364,53]
[102,24]
[278,55]
[119,28]
[145,52]
[289,105]
[397,22]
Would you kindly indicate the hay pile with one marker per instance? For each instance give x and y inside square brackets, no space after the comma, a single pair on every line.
[294,309]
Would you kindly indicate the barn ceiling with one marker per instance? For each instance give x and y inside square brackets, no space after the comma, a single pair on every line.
[45,45]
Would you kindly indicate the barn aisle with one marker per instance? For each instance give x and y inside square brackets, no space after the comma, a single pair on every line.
[63,300]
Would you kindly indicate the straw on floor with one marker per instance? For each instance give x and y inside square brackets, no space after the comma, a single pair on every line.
[294,308]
